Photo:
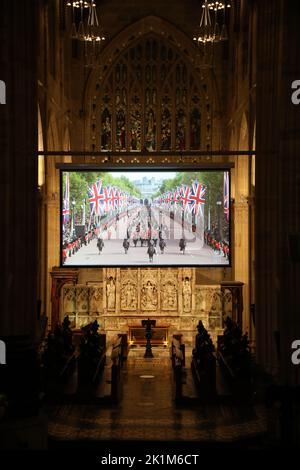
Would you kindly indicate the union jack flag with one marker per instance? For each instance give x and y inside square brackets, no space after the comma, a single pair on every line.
[198,197]
[114,198]
[169,197]
[176,194]
[96,195]
[106,200]
[117,197]
[121,199]
[66,202]
[185,197]
[125,199]
[226,194]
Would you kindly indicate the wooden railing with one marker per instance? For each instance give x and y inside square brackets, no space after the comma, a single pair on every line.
[118,357]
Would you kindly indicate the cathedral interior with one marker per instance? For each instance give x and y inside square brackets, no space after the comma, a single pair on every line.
[149,86]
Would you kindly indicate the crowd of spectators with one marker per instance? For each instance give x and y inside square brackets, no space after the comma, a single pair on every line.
[72,244]
[219,246]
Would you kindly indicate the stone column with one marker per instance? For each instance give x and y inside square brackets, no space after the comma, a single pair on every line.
[242,253]
[277,187]
[19,166]
[60,277]
[19,190]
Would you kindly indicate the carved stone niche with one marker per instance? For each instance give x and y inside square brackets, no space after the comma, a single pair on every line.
[129,295]
[96,300]
[82,300]
[169,290]
[110,286]
[186,294]
[68,304]
[69,300]
[149,290]
[60,277]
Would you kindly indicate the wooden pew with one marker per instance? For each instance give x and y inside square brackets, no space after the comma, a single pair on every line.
[118,357]
[235,361]
[91,360]
[69,368]
[58,360]
[178,361]
[204,364]
[204,373]
[177,344]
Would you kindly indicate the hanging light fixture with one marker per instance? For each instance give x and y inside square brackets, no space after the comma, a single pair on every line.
[204,32]
[89,30]
[77,32]
[209,32]
[218,7]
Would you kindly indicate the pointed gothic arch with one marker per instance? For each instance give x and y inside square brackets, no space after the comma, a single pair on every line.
[149,96]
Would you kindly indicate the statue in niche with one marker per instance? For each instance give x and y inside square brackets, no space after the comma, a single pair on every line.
[149,296]
[128,296]
[169,296]
[187,294]
[111,293]
[106,131]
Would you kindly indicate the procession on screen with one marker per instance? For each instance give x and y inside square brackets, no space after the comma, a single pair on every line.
[143,218]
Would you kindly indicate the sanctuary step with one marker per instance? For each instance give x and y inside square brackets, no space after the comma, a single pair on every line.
[158,352]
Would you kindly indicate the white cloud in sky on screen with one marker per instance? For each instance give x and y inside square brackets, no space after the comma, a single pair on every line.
[137,175]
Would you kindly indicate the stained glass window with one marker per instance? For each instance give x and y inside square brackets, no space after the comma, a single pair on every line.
[151,99]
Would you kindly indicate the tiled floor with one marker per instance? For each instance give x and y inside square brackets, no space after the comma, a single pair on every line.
[147,411]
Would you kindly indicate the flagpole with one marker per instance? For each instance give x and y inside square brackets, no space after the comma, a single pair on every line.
[90,221]
[83,213]
[182,219]
[73,216]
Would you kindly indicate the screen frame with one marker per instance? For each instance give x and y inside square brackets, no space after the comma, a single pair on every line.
[72,167]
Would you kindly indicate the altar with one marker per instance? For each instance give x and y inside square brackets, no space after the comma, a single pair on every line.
[137,336]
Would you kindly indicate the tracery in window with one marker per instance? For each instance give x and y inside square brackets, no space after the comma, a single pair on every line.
[151,99]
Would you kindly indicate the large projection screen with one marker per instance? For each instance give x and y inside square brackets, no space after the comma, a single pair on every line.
[145,218]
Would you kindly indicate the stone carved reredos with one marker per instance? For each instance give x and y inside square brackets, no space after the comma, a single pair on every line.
[209,305]
[227,308]
[169,290]
[203,295]
[96,300]
[112,324]
[187,294]
[82,299]
[111,293]
[164,301]
[69,301]
[187,323]
[149,290]
[69,294]
[129,290]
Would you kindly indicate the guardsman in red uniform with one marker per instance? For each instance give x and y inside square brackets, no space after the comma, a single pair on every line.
[64,254]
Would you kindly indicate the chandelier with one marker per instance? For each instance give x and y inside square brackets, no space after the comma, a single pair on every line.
[86,28]
[209,31]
